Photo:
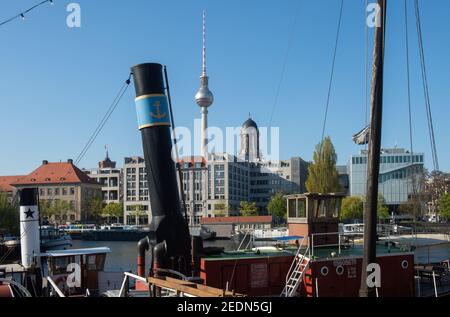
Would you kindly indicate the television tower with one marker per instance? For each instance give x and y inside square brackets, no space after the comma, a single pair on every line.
[204,97]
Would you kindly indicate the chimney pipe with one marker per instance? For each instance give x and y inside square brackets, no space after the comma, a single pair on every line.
[168,226]
[29,227]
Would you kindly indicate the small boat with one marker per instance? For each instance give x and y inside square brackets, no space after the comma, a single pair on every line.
[203,232]
[64,273]
[76,231]
[270,234]
[115,233]
[52,238]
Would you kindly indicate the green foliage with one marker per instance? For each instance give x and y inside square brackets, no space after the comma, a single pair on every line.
[322,174]
[137,210]
[9,215]
[277,208]
[383,210]
[112,210]
[49,209]
[352,209]
[46,209]
[96,206]
[444,206]
[220,209]
[248,209]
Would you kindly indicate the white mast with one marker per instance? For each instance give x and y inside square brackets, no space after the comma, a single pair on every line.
[204,96]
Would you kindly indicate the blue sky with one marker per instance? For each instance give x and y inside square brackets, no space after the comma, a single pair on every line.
[56,83]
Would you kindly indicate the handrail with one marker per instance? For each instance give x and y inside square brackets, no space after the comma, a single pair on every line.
[126,285]
[243,239]
[21,288]
[55,287]
[184,277]
[297,257]
[384,232]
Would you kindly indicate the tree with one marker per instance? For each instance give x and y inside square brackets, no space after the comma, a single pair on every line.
[220,209]
[248,209]
[277,208]
[137,212]
[46,209]
[60,208]
[434,186]
[413,207]
[96,206]
[112,210]
[322,174]
[9,215]
[383,210]
[444,206]
[352,209]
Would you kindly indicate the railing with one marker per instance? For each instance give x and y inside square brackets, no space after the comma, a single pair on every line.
[55,287]
[124,289]
[247,233]
[23,291]
[383,231]
[298,259]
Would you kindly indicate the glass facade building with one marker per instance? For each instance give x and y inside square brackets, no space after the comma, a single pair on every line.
[399,170]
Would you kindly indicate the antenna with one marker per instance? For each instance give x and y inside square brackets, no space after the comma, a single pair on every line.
[204,45]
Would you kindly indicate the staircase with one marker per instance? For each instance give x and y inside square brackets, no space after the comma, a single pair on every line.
[297,271]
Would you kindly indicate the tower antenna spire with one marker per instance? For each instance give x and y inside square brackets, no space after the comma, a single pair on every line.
[204,45]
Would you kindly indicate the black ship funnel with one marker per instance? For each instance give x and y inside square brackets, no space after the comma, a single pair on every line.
[168,227]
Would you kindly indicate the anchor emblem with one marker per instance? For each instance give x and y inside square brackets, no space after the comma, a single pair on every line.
[158,115]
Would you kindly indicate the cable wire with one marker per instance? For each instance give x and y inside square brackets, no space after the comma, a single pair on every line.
[22,14]
[332,75]
[284,67]
[426,88]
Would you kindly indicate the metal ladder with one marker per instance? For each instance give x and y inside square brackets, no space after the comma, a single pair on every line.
[297,271]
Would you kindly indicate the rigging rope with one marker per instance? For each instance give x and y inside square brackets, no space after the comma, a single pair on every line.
[22,14]
[408,79]
[425,88]
[99,128]
[332,75]
[105,118]
[175,143]
[284,67]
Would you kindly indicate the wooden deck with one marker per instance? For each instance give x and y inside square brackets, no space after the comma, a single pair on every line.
[186,288]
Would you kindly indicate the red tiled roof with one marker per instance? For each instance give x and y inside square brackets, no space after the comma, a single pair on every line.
[6,181]
[55,173]
[253,219]
[193,159]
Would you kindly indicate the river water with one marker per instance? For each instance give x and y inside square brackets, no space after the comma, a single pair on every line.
[123,256]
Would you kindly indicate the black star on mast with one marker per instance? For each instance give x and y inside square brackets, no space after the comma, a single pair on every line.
[29,213]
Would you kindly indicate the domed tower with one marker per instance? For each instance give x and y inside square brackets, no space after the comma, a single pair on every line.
[249,141]
[204,96]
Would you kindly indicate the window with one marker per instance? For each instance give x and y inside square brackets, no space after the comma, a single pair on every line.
[72,191]
[301,208]
[64,191]
[57,191]
[292,208]
[322,209]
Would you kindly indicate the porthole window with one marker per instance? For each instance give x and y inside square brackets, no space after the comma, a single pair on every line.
[340,270]
[405,264]
[324,271]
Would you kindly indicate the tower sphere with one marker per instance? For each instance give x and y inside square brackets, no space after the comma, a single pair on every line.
[204,97]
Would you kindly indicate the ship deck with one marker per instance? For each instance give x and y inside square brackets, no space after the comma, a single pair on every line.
[319,253]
